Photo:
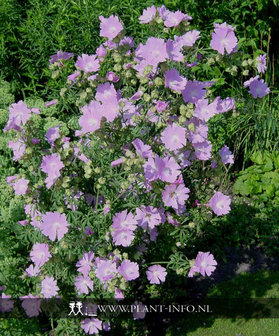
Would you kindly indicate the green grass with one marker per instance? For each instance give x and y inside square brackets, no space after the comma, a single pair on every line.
[263,284]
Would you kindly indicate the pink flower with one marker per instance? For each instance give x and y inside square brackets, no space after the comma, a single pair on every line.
[156,274]
[148,15]
[101,51]
[175,195]
[154,51]
[6,305]
[83,283]
[223,39]
[122,237]
[50,103]
[88,63]
[21,186]
[60,55]
[19,115]
[204,264]
[174,137]
[220,204]
[49,287]
[173,50]
[204,111]
[174,81]
[124,221]
[111,76]
[110,27]
[149,216]
[129,270]
[91,326]
[188,39]
[165,169]
[31,304]
[193,91]
[117,162]
[203,150]
[226,155]
[173,19]
[40,254]
[54,225]
[52,134]
[18,148]
[85,264]
[91,118]
[51,165]
[106,270]
[143,150]
[32,270]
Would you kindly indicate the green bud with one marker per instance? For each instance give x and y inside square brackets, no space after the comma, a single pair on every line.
[133,82]
[245,72]
[117,68]
[244,63]
[158,81]
[191,127]
[147,70]
[62,92]
[146,97]
[128,74]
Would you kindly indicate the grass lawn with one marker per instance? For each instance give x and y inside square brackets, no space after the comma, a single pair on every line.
[263,284]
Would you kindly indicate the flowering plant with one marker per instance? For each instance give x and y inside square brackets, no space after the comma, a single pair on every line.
[117,175]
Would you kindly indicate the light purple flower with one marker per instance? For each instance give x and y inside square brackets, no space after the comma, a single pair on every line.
[261,63]
[32,270]
[205,264]
[6,305]
[40,254]
[223,39]
[49,287]
[31,304]
[174,137]
[203,150]
[88,63]
[161,105]
[50,103]
[117,162]
[188,39]
[154,51]
[148,15]
[111,76]
[83,283]
[73,77]
[51,165]
[21,186]
[19,115]
[173,50]
[54,225]
[101,51]
[52,134]
[142,149]
[174,80]
[110,27]
[59,56]
[204,111]
[129,270]
[220,204]
[173,19]
[85,264]
[226,155]
[124,221]
[91,326]
[149,216]
[258,88]
[122,237]
[194,90]
[175,195]
[156,274]
[106,270]
[18,148]
[163,12]
[165,169]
